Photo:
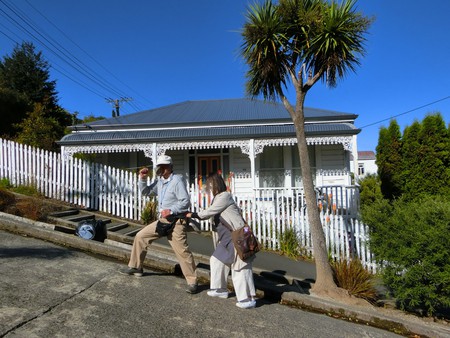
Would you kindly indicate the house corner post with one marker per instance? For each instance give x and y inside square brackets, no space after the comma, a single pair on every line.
[355,158]
[252,155]
[154,158]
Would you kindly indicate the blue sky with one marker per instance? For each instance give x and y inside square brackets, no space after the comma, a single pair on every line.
[164,52]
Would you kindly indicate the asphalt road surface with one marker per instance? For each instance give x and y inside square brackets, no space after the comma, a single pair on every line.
[52,291]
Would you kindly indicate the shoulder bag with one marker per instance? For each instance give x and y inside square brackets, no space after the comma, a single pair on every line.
[165,226]
[244,240]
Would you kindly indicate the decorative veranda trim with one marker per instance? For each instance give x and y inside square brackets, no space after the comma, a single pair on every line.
[249,147]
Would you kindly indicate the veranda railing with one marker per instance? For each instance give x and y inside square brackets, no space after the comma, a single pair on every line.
[269,211]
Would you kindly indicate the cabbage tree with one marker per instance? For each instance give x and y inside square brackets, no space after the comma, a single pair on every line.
[299,43]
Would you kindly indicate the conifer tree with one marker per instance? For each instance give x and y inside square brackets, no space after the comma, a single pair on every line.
[13,109]
[26,74]
[389,160]
[411,162]
[434,176]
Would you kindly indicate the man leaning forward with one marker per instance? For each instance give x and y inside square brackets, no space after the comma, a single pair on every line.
[173,199]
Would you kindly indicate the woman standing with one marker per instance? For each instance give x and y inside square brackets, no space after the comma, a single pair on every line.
[225,256]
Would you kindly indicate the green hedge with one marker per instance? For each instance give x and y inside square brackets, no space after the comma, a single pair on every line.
[412,242]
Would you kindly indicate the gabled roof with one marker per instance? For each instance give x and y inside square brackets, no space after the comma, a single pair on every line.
[213,112]
[205,134]
[366,155]
[208,121]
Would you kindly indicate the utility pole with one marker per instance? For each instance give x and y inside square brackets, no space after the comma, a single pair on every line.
[116,102]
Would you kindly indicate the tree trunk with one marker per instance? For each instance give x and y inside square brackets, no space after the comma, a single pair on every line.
[324,284]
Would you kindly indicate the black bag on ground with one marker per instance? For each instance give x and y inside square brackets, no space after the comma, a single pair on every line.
[164,227]
[91,229]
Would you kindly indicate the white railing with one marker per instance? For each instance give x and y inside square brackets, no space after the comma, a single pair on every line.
[272,211]
[269,211]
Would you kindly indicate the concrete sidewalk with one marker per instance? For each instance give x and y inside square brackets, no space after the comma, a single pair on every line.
[48,290]
[276,277]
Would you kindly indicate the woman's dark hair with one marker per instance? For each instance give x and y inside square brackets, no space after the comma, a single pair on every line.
[216,182]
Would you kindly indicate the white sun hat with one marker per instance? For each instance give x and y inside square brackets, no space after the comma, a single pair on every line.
[164,159]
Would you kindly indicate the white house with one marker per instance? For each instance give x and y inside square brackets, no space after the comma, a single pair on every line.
[365,164]
[252,142]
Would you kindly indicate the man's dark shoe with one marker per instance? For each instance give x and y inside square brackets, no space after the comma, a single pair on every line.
[192,288]
[132,271]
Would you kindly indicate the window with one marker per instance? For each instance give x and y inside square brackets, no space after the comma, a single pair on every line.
[296,168]
[361,170]
[271,168]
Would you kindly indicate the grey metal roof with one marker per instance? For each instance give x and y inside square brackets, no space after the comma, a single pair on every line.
[216,112]
[207,121]
[205,134]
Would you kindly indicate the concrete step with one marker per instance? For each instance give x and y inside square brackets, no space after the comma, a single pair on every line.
[116,226]
[79,218]
[63,213]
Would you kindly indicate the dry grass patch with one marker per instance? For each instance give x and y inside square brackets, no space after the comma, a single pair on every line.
[353,277]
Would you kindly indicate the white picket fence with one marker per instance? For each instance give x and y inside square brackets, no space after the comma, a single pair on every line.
[85,184]
[269,211]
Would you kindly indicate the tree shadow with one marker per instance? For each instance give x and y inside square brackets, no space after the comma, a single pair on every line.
[274,283]
[43,253]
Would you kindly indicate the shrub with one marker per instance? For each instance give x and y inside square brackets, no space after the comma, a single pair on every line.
[289,243]
[370,189]
[5,183]
[353,277]
[149,213]
[411,240]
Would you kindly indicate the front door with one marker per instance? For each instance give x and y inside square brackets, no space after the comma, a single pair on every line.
[207,165]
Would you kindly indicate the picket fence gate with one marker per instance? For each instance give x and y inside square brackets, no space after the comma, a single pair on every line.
[270,212]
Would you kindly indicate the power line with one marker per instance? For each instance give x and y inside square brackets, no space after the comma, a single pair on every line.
[86,53]
[6,15]
[407,112]
[76,81]
[62,53]
[53,65]
[9,37]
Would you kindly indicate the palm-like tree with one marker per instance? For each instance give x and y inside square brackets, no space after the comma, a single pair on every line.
[300,42]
